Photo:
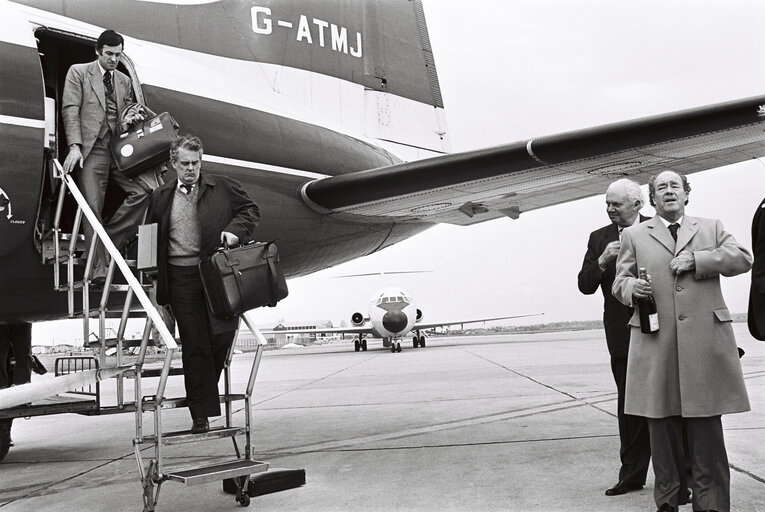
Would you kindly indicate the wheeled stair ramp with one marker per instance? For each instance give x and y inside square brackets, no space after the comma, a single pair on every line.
[76,387]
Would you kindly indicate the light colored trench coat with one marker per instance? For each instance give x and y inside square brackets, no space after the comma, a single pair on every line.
[691,366]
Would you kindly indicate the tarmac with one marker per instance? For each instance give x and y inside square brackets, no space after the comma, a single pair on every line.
[492,423]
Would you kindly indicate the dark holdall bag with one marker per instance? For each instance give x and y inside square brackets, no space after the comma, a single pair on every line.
[243,278]
[144,145]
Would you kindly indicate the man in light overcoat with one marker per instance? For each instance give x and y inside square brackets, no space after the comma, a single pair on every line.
[688,373]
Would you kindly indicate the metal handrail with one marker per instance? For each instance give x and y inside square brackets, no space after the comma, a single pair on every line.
[138,291]
[119,260]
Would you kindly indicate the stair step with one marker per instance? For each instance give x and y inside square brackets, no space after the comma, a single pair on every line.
[172,403]
[115,287]
[216,472]
[185,436]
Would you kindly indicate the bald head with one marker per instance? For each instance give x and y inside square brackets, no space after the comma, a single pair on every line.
[624,199]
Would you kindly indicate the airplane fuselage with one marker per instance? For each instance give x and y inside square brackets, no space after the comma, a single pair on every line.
[271,126]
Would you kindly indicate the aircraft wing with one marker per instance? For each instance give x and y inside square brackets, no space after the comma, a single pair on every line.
[362,329]
[471,187]
[471,321]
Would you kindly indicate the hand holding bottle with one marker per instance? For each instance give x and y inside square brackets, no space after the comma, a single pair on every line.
[642,288]
[649,316]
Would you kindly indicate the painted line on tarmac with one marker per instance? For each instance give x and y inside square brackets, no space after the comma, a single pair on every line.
[733,467]
[348,444]
[540,383]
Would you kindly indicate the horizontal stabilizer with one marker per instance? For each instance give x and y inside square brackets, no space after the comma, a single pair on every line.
[505,181]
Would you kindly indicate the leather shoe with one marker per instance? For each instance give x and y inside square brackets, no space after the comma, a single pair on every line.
[97,283]
[666,508]
[623,488]
[200,426]
[685,497]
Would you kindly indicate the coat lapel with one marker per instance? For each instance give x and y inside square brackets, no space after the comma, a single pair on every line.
[659,231]
[97,83]
[687,230]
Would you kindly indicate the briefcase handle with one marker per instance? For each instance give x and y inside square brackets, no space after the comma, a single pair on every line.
[232,262]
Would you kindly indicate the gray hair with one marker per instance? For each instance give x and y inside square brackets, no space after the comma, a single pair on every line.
[188,142]
[652,187]
[628,187]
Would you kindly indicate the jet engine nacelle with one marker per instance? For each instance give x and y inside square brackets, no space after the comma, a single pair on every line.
[419,315]
[357,319]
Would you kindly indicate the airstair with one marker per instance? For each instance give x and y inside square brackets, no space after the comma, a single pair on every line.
[154,470]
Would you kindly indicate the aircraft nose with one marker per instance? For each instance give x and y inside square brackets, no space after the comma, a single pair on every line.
[394,321]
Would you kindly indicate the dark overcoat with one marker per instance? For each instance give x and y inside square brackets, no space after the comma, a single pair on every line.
[223,205]
[756,315]
[691,366]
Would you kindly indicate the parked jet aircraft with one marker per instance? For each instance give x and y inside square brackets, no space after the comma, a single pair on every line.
[329,113]
[392,314]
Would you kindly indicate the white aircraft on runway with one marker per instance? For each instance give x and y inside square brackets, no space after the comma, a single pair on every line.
[391,315]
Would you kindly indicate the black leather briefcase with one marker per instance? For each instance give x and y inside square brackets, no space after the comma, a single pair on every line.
[243,278]
[144,145]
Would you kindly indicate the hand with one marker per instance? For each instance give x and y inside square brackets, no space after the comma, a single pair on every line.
[683,262]
[229,239]
[609,254]
[134,117]
[73,158]
[642,288]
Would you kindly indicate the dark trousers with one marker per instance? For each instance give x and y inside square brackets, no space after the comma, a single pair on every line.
[635,449]
[710,473]
[20,336]
[203,353]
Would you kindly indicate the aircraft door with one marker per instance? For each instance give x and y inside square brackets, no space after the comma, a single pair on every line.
[22,129]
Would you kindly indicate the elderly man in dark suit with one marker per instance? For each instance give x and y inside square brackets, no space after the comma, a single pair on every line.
[94,95]
[196,214]
[624,199]
[756,315]
[687,374]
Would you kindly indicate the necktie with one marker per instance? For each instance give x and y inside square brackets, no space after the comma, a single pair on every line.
[673,230]
[108,83]
[186,188]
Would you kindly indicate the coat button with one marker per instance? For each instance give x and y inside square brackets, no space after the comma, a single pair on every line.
[681,317]
[679,288]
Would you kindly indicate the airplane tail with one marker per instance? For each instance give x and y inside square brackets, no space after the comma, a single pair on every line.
[365,66]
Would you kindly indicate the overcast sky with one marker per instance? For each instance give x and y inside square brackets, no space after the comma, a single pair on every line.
[513,70]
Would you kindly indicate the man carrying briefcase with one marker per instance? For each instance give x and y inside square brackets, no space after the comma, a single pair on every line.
[195,214]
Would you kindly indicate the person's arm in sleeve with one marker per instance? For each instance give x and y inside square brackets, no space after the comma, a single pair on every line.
[71,102]
[730,258]
[626,271]
[246,215]
[591,274]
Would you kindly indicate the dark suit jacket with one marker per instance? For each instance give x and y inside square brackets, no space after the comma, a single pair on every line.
[223,205]
[83,104]
[616,316]
[756,315]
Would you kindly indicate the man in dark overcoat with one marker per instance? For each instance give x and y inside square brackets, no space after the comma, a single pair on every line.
[756,315]
[196,214]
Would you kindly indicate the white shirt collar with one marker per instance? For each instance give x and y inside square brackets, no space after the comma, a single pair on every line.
[679,221]
[178,186]
[104,71]
[634,222]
